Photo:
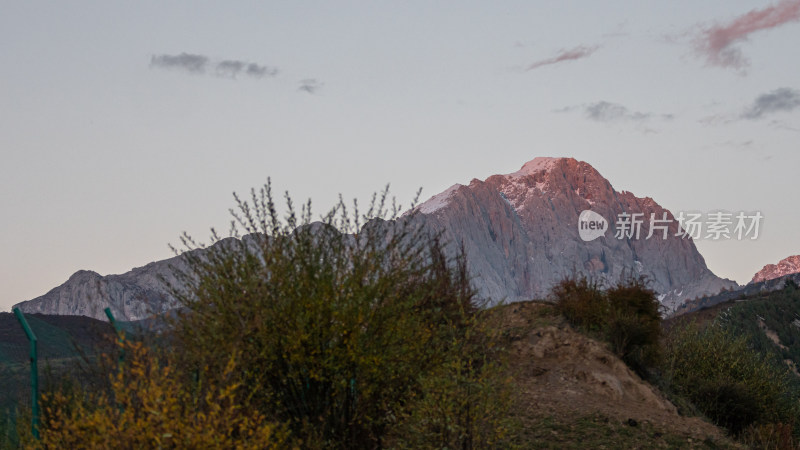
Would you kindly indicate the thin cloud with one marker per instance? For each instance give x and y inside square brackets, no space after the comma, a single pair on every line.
[184,61]
[230,68]
[310,85]
[256,71]
[781,125]
[199,64]
[604,111]
[607,112]
[779,100]
[579,52]
[718,43]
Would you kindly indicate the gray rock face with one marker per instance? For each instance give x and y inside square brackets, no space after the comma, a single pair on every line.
[786,266]
[133,295]
[520,232]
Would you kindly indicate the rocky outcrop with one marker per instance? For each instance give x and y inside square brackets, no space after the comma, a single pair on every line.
[785,267]
[520,233]
[133,295]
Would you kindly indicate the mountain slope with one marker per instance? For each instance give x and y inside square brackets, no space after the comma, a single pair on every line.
[133,295]
[520,232]
[571,391]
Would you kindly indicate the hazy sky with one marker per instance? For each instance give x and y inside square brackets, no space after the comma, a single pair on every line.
[124,124]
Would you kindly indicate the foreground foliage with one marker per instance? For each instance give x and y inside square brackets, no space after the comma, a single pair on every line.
[348,328]
[627,316]
[735,386]
[149,406]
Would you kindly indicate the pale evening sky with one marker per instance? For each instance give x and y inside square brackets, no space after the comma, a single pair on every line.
[123,124]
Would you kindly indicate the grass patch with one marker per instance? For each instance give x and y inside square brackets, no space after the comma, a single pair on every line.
[600,431]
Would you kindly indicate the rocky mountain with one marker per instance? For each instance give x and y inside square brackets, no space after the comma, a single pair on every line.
[521,234]
[133,295]
[520,231]
[786,266]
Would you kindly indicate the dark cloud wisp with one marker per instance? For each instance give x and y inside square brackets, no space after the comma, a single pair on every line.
[717,44]
[184,61]
[782,99]
[256,71]
[604,111]
[572,54]
[199,64]
[310,85]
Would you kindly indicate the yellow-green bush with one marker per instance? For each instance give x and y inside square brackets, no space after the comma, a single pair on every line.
[150,406]
[462,404]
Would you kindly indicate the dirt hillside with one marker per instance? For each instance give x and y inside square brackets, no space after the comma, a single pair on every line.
[572,391]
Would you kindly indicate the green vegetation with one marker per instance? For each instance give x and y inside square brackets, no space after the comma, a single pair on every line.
[728,370]
[599,431]
[627,316]
[734,385]
[775,312]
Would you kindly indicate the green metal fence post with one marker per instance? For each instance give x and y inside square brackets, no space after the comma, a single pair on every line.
[34,371]
[117,330]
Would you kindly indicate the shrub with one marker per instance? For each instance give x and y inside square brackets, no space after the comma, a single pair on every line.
[149,406]
[582,302]
[463,403]
[723,377]
[633,326]
[341,323]
[627,316]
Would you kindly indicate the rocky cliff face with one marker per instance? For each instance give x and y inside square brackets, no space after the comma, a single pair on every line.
[133,295]
[520,232]
[786,266]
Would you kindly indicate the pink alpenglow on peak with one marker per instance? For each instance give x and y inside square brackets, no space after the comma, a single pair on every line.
[785,267]
[536,165]
[520,232]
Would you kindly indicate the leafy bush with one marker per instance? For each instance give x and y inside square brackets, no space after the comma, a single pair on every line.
[627,316]
[582,302]
[634,324]
[729,382]
[149,406]
[342,324]
[464,403]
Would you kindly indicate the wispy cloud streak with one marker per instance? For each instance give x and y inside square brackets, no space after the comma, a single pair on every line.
[184,61]
[200,64]
[579,52]
[310,85]
[718,43]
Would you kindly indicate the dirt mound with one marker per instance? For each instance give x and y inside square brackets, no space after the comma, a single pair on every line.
[560,373]
[583,369]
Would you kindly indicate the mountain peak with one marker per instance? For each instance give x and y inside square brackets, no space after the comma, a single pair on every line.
[786,266]
[536,165]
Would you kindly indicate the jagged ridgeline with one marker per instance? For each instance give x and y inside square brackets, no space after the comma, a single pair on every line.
[519,231]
